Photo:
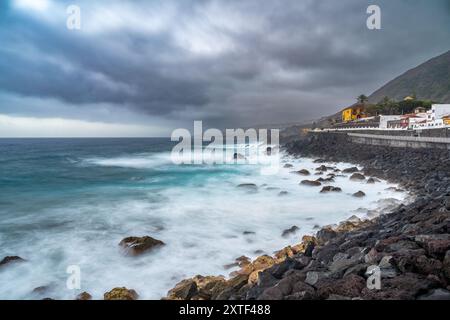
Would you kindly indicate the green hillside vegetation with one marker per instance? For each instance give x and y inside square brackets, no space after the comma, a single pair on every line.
[429,81]
[391,107]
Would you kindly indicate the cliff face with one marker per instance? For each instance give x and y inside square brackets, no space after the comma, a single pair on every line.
[428,81]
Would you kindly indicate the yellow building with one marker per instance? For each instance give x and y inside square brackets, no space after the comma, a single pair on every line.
[354,112]
[446,120]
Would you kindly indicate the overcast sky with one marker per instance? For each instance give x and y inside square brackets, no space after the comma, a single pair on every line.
[144,68]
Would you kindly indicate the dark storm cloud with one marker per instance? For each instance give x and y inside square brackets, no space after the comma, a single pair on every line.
[225,62]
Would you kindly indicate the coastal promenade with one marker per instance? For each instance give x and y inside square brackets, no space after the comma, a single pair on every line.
[400,141]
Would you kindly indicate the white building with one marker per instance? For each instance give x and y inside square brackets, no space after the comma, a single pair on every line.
[385,119]
[435,117]
[437,112]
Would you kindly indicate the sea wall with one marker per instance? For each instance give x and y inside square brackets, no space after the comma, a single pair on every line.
[400,141]
[438,133]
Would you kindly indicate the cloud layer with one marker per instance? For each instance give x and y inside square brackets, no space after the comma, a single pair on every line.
[229,63]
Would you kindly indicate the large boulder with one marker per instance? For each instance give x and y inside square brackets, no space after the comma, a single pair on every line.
[139,245]
[183,290]
[121,294]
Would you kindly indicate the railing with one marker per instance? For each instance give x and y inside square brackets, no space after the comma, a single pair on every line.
[401,138]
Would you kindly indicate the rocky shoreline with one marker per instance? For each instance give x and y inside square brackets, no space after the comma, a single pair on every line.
[408,249]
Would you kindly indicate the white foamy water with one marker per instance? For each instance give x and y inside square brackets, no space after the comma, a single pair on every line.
[200,215]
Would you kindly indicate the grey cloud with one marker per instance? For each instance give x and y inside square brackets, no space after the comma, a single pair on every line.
[303,59]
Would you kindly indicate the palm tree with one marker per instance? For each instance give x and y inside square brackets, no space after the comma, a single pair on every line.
[362,99]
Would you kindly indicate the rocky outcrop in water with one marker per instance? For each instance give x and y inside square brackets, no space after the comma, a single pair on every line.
[135,246]
[9,260]
[121,294]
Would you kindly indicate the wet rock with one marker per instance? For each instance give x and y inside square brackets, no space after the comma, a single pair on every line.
[327,189]
[387,267]
[372,257]
[312,277]
[446,265]
[303,172]
[323,168]
[306,246]
[248,233]
[288,166]
[135,246]
[435,244]
[42,290]
[447,203]
[285,253]
[357,177]
[311,183]
[436,294]
[121,294]
[263,262]
[325,234]
[84,296]
[371,181]
[183,290]
[319,161]
[350,170]
[302,291]
[359,194]
[394,189]
[405,286]
[243,261]
[253,278]
[206,286]
[248,186]
[300,261]
[350,286]
[283,193]
[290,231]
[342,261]
[401,245]
[338,297]
[10,260]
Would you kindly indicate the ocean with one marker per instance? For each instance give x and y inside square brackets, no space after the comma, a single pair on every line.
[66,202]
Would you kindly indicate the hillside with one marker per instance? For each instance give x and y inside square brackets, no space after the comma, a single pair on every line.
[428,81]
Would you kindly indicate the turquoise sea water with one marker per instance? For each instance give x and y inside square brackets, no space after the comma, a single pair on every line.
[70,201]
